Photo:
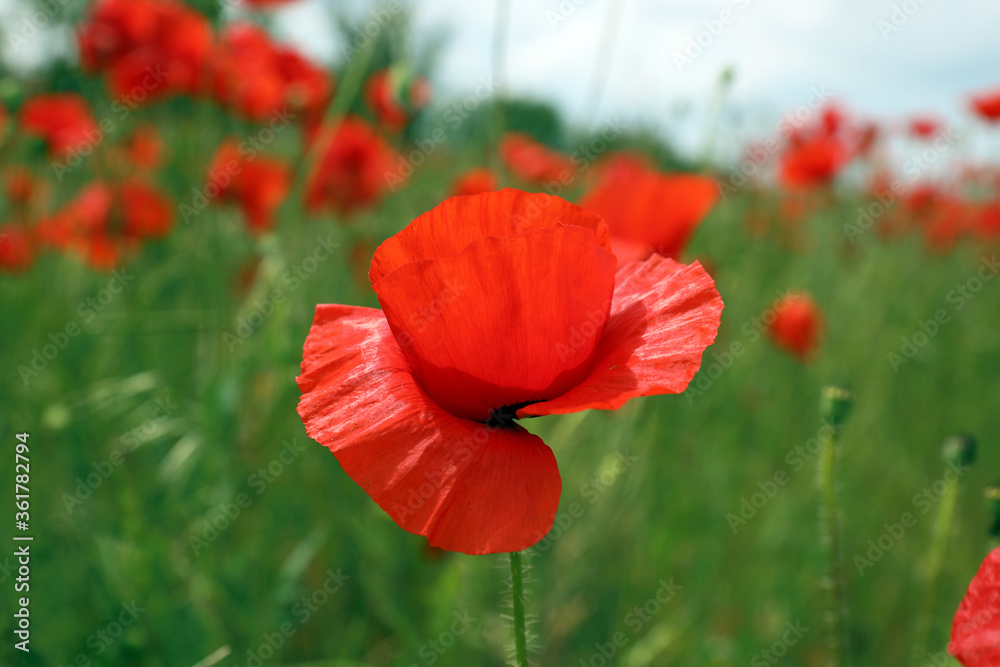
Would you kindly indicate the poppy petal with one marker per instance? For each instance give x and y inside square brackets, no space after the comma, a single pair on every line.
[975,632]
[445,230]
[663,317]
[465,486]
[505,322]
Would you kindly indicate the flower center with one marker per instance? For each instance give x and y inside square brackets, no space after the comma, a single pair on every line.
[505,416]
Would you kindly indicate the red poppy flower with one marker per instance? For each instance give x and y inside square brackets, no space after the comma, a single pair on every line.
[797,326]
[152,48]
[975,631]
[393,102]
[648,211]
[812,162]
[474,182]
[924,128]
[353,169]
[16,249]
[19,186]
[532,162]
[987,106]
[147,212]
[257,77]
[495,306]
[258,185]
[63,120]
[145,147]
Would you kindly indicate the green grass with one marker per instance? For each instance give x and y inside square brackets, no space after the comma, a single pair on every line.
[661,521]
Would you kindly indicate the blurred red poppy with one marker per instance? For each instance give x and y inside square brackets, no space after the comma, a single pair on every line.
[151,48]
[975,631]
[353,169]
[924,127]
[19,186]
[797,326]
[393,102]
[257,185]
[63,121]
[259,78]
[16,249]
[145,147]
[146,212]
[812,162]
[474,182]
[495,306]
[532,162]
[987,106]
[648,211]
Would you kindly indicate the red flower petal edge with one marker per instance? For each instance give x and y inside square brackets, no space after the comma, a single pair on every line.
[975,632]
[465,486]
[663,316]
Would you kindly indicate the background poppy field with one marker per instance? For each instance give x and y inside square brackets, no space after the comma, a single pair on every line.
[155,300]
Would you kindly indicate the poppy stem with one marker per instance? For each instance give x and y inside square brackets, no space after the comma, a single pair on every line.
[517,588]
[958,452]
[834,405]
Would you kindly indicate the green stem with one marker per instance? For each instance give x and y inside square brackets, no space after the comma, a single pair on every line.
[830,531]
[939,548]
[517,589]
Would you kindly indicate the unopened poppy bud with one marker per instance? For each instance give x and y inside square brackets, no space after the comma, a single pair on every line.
[834,404]
[959,450]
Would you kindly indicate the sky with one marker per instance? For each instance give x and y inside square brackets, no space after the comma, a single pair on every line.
[881,60]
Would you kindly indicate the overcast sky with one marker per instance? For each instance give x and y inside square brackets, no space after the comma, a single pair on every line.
[885,60]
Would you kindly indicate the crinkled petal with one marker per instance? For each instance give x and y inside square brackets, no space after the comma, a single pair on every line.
[663,317]
[506,321]
[446,230]
[463,485]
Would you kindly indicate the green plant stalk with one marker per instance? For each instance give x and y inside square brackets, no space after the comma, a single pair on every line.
[939,549]
[517,591]
[830,532]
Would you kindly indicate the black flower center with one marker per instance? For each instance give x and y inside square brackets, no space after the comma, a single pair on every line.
[505,416]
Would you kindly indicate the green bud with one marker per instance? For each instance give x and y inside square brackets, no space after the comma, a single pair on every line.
[959,450]
[834,404]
